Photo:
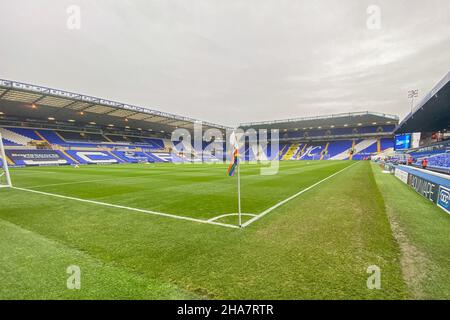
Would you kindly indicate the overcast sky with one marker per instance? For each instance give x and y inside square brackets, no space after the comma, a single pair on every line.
[231,61]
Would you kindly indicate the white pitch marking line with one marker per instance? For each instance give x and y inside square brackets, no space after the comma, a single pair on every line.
[262,214]
[70,183]
[17,172]
[130,208]
[231,214]
[86,181]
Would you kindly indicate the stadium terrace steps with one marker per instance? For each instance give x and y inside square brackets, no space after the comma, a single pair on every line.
[66,155]
[332,150]
[161,156]
[257,153]
[22,136]
[325,133]
[120,160]
[26,132]
[60,136]
[357,147]
[324,151]
[15,138]
[262,155]
[154,157]
[291,151]
[8,143]
[368,146]
[87,150]
[51,137]
[8,160]
[387,144]
[125,156]
[438,162]
[283,149]
[339,149]
[352,150]
[93,157]
[71,136]
[254,152]
[312,152]
[300,151]
[138,156]
[106,138]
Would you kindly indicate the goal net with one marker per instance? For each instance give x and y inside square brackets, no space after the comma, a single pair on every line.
[5,179]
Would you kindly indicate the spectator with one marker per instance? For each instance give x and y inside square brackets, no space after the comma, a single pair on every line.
[424,163]
[410,161]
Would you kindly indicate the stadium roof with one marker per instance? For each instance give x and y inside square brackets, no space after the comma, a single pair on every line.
[26,102]
[432,113]
[331,121]
[30,102]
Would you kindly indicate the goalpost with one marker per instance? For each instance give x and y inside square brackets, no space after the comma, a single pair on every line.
[5,178]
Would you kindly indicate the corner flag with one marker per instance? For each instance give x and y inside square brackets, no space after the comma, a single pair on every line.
[234,162]
[231,169]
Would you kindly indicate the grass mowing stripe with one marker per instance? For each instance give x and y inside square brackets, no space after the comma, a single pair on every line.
[198,191]
[422,230]
[69,183]
[168,215]
[317,246]
[290,171]
[46,261]
[262,214]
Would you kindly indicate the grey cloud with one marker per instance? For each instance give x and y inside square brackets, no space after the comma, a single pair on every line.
[231,61]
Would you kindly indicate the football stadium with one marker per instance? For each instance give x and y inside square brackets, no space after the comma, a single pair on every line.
[103,184]
[101,199]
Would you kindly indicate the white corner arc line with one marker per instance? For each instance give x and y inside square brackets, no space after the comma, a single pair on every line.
[168,215]
[231,214]
[262,214]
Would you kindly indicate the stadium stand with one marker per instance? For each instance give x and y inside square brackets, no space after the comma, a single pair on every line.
[430,118]
[438,162]
[81,148]
[355,136]
[437,155]
[91,130]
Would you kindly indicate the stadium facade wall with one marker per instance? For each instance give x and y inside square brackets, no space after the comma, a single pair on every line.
[26,146]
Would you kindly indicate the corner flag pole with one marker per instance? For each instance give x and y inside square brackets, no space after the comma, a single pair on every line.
[236,162]
[239,192]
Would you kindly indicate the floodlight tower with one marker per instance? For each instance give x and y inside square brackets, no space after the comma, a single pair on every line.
[411,95]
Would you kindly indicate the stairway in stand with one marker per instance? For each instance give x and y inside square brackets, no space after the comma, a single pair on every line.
[291,151]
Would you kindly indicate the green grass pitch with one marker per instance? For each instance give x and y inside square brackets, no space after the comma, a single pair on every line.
[120,225]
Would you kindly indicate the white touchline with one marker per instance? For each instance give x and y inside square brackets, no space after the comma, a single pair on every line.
[129,208]
[262,214]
